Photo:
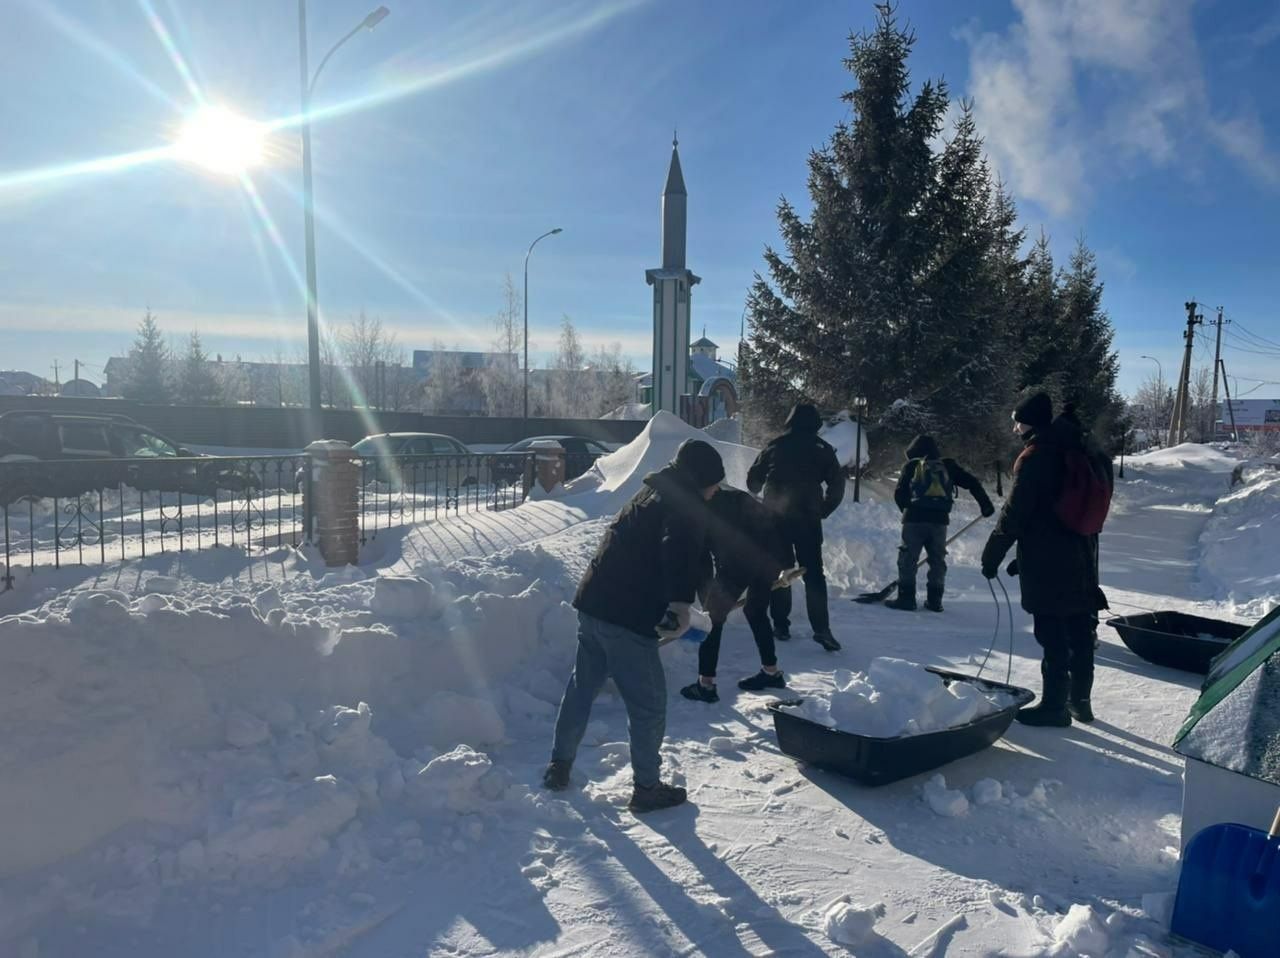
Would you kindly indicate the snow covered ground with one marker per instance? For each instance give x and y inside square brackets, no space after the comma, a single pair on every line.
[215,754]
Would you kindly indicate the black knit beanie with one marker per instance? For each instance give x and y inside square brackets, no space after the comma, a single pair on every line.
[1035,411]
[699,461]
[804,418]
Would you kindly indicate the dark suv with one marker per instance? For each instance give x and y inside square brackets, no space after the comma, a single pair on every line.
[102,451]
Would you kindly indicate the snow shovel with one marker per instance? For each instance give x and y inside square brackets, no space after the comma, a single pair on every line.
[697,634]
[869,598]
[1229,890]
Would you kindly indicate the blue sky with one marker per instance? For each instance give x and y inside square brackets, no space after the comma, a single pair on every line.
[471,127]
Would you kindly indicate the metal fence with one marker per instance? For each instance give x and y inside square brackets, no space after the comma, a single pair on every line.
[86,511]
[93,511]
[403,490]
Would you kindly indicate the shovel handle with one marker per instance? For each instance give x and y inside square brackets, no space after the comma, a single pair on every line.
[1275,826]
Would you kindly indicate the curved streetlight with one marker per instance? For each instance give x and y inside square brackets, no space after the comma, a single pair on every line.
[307,82]
[526,319]
[1159,412]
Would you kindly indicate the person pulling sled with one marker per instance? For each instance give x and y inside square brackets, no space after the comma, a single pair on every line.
[925,493]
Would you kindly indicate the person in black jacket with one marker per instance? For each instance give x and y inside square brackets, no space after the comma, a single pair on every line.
[747,553]
[640,585]
[925,494]
[803,484]
[1058,567]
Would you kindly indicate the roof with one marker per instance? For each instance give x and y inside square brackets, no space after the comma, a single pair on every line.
[704,368]
[1235,724]
[704,342]
[675,178]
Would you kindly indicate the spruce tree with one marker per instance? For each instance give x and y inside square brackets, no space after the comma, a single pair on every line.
[198,386]
[1089,375]
[149,364]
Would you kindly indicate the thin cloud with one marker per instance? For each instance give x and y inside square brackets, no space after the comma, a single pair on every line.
[1077,90]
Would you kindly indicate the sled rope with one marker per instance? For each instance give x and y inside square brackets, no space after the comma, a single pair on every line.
[995,635]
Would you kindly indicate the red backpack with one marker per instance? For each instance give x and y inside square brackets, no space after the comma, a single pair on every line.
[1085,499]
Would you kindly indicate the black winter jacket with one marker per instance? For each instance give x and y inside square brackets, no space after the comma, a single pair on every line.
[744,539]
[1058,567]
[960,478]
[792,470]
[650,556]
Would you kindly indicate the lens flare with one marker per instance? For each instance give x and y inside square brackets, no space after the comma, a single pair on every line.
[221,141]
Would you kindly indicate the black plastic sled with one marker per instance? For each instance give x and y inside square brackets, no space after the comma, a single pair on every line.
[1177,640]
[879,761]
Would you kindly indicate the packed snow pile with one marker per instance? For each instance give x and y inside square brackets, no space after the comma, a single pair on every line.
[895,698]
[849,923]
[1238,545]
[841,432]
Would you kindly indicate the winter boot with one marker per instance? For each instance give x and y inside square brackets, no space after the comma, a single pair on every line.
[556,777]
[697,692]
[827,641]
[763,680]
[655,797]
[934,602]
[781,635]
[1080,710]
[1051,711]
[903,603]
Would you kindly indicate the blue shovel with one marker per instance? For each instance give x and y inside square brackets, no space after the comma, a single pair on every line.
[1229,890]
[700,622]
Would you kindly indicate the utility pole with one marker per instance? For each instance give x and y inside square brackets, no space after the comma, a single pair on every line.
[1178,424]
[1217,361]
[1235,436]
[57,386]
[77,362]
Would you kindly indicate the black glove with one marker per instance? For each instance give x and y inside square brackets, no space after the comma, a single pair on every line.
[988,510]
[1012,568]
[990,571]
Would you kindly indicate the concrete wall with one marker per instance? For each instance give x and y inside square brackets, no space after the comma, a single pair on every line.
[264,427]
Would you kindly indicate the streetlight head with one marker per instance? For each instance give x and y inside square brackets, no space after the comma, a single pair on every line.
[556,230]
[373,19]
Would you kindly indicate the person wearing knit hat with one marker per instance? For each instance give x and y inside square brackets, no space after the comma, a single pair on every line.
[639,587]
[1056,563]
[925,493]
[803,484]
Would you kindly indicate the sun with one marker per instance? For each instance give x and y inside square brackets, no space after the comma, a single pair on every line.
[221,141]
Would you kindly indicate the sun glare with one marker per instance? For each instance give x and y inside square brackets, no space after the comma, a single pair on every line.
[221,141]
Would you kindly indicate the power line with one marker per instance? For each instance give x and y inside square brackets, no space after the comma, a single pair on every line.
[1260,339]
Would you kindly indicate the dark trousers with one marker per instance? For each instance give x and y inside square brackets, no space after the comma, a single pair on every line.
[932,538]
[802,545]
[1067,666]
[757,613]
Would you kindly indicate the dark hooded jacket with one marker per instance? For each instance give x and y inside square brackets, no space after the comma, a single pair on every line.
[924,447]
[1058,567]
[651,555]
[744,539]
[794,468]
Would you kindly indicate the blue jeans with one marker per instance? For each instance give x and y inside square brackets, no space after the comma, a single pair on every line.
[609,651]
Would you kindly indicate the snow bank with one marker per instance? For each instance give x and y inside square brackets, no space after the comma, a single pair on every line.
[842,433]
[1238,546]
[896,698]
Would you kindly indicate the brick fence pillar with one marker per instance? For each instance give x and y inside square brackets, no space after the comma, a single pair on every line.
[334,511]
[549,463]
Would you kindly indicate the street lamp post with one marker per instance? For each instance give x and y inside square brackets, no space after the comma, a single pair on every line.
[307,83]
[526,319]
[858,405]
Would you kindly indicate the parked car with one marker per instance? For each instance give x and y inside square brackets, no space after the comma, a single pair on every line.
[385,449]
[98,450]
[580,454]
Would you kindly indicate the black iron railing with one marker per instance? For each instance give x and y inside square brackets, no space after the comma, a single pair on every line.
[402,490]
[85,511]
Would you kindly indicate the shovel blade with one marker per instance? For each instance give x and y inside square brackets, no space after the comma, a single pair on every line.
[1229,891]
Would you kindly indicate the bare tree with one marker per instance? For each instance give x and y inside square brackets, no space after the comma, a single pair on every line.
[368,349]
[501,379]
[569,378]
[612,382]
[1152,405]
